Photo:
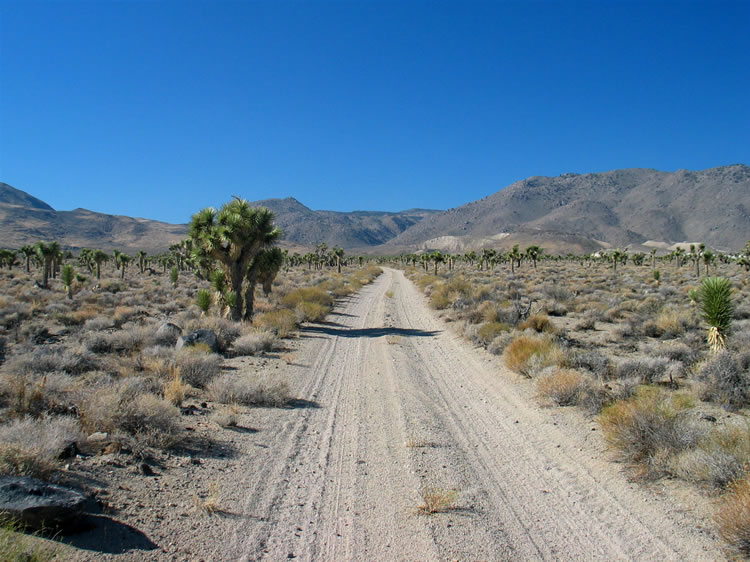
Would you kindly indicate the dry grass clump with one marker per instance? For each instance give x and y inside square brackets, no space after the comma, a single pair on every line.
[129,406]
[437,500]
[311,312]
[733,516]
[489,331]
[258,390]
[721,456]
[196,367]
[31,447]
[445,293]
[539,323]
[253,343]
[208,503]
[726,379]
[562,386]
[316,295]
[646,370]
[649,427]
[530,354]
[282,322]
[17,546]
[175,390]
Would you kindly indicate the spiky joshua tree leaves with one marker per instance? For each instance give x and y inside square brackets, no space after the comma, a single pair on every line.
[717,309]
[234,236]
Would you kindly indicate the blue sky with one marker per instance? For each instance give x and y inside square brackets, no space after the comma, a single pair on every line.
[157,109]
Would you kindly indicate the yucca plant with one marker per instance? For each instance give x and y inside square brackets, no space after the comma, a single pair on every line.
[715,298]
[203,299]
[67,276]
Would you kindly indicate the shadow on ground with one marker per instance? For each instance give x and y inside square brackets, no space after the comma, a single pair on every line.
[108,536]
[334,330]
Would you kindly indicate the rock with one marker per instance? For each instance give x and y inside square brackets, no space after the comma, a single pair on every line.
[39,505]
[98,436]
[168,333]
[145,469]
[206,337]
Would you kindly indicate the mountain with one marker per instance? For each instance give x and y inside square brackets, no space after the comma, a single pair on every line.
[26,220]
[353,230]
[9,195]
[574,212]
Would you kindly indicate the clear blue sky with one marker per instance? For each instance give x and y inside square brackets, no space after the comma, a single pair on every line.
[157,109]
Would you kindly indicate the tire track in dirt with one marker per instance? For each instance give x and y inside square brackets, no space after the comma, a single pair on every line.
[341,483]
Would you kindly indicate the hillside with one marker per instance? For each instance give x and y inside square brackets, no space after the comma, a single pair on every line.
[25,220]
[617,208]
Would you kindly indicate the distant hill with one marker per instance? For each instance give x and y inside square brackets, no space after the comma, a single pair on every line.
[26,220]
[353,230]
[574,212]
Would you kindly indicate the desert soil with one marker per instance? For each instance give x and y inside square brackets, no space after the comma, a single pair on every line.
[391,403]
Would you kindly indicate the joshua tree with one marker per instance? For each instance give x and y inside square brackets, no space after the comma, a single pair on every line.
[269,265]
[709,258]
[234,236]
[338,254]
[46,254]
[99,257]
[141,260]
[123,260]
[8,258]
[515,258]
[715,298]
[533,253]
[437,258]
[653,259]
[470,257]
[28,252]
[617,256]
[67,277]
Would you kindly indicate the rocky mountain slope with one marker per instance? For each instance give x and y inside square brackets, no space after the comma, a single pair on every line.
[26,220]
[617,208]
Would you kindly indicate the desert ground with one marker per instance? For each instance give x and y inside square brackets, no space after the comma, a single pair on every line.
[399,436]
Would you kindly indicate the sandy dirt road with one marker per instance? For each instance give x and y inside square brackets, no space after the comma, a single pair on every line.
[398,404]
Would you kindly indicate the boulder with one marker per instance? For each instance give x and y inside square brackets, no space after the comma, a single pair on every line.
[168,333]
[206,337]
[40,505]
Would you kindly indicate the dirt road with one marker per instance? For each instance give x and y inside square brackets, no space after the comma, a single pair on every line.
[397,404]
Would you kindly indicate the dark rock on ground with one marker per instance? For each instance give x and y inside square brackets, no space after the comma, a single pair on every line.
[40,505]
[206,337]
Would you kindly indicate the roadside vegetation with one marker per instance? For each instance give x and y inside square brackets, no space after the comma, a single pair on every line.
[651,347]
[96,355]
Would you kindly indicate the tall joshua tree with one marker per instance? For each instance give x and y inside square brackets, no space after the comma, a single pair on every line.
[533,253]
[234,236]
[46,254]
[141,260]
[99,257]
[28,252]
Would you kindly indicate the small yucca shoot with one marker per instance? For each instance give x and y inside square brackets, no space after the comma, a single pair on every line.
[66,276]
[203,299]
[715,298]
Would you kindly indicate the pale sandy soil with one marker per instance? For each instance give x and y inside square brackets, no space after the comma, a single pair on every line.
[391,402]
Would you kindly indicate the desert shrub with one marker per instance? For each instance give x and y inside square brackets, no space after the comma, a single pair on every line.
[258,390]
[528,354]
[649,427]
[31,447]
[556,309]
[48,358]
[97,324]
[725,381]
[252,343]
[561,386]
[226,330]
[674,351]
[196,367]
[489,331]
[175,389]
[538,323]
[589,319]
[311,312]
[32,394]
[719,458]
[315,295]
[498,345]
[594,362]
[646,370]
[444,294]
[733,516]
[128,406]
[282,322]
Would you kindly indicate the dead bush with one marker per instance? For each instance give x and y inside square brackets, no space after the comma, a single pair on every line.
[562,386]
[646,370]
[258,390]
[725,381]
[733,516]
[196,367]
[253,343]
[31,447]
